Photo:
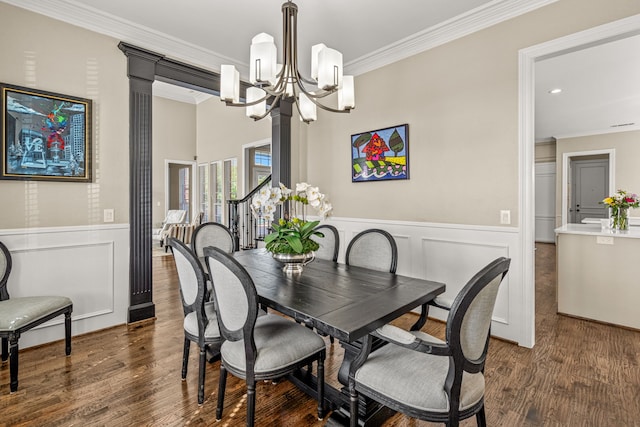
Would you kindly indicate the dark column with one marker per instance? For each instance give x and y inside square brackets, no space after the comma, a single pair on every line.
[141,72]
[281,143]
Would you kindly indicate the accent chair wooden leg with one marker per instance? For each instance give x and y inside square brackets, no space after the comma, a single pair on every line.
[481,419]
[222,385]
[201,371]
[353,399]
[251,403]
[185,357]
[321,386]
[13,362]
[5,349]
[67,332]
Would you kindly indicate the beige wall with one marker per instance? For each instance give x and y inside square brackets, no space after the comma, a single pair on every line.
[38,52]
[174,138]
[461,103]
[545,152]
[627,153]
[222,131]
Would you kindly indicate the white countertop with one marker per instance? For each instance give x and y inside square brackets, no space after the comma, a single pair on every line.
[596,230]
[633,220]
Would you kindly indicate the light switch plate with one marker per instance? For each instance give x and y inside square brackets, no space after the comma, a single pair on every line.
[505,217]
[108,215]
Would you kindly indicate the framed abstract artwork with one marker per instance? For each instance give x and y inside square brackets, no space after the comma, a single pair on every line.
[45,136]
[380,155]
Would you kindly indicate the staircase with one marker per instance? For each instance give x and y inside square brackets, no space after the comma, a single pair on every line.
[247,230]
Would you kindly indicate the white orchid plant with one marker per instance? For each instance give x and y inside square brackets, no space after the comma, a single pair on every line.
[292,234]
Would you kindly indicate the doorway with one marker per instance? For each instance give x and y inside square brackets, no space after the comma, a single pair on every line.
[588,187]
[257,163]
[587,178]
[528,57]
[180,186]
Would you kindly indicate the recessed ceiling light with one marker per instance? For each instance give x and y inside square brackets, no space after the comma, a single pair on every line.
[554,91]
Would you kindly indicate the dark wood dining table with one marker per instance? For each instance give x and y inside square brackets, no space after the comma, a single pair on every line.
[342,301]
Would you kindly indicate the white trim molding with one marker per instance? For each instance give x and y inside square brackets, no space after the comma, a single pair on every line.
[526,86]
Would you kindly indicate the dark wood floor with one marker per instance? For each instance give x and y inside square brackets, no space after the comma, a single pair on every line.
[579,373]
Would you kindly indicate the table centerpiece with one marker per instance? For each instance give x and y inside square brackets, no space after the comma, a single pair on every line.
[291,242]
[619,205]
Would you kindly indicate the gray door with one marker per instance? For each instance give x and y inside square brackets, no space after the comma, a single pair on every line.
[590,184]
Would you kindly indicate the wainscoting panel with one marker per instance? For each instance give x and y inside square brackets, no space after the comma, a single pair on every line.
[87,264]
[453,253]
[455,262]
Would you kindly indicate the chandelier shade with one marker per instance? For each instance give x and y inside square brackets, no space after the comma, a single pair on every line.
[273,82]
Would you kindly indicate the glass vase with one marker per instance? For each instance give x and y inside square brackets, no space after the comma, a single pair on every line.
[620,217]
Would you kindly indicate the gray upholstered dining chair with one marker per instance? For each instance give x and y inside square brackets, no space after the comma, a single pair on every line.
[426,378]
[200,321]
[329,244]
[256,347]
[18,315]
[212,234]
[373,248]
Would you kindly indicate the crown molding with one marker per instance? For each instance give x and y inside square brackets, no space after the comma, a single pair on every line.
[76,13]
[631,128]
[477,19]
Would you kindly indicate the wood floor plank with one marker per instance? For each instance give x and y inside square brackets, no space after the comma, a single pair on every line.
[580,373]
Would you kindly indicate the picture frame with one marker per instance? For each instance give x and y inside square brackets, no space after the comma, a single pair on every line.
[380,155]
[46,136]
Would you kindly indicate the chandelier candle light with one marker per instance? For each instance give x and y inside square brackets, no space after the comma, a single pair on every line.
[273,81]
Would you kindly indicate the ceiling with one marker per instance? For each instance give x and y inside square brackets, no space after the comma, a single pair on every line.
[598,91]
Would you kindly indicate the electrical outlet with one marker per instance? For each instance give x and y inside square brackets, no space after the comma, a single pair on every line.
[108,215]
[505,217]
[604,240]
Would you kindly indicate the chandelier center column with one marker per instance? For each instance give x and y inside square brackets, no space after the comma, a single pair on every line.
[281,143]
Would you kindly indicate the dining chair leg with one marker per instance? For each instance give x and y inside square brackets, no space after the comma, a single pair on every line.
[185,357]
[5,349]
[251,403]
[13,363]
[222,385]
[481,419]
[201,370]
[321,387]
[353,399]
[67,332]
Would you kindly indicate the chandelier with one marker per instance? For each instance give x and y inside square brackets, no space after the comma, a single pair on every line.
[273,82]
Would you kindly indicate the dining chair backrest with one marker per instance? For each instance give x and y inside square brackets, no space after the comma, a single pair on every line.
[469,321]
[235,295]
[212,234]
[374,249]
[329,244]
[192,282]
[5,270]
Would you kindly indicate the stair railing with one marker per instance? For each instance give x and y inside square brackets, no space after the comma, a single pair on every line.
[246,229]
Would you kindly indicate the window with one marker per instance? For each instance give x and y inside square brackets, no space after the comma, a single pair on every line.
[203,184]
[231,178]
[216,188]
[262,158]
[183,185]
